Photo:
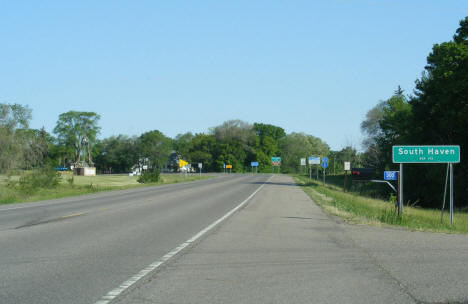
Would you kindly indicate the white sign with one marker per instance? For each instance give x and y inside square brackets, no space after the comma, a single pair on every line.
[347,166]
[145,167]
[200,165]
[303,161]
[314,160]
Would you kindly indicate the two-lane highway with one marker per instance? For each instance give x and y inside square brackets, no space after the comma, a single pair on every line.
[75,250]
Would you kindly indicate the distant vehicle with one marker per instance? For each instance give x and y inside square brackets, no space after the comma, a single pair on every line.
[362,173]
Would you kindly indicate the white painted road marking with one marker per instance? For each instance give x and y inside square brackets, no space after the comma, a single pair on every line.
[125,285]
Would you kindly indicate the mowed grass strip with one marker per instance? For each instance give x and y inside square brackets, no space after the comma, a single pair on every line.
[362,210]
[86,185]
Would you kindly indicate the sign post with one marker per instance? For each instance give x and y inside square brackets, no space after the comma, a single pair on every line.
[324,166]
[200,165]
[276,162]
[426,154]
[254,164]
[303,163]
[347,167]
[313,160]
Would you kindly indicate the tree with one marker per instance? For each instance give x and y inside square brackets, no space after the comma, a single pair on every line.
[437,114]
[440,109]
[298,145]
[72,127]
[202,150]
[156,147]
[13,117]
[183,144]
[117,154]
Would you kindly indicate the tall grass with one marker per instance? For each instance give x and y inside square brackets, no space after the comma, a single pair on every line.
[359,209]
[12,191]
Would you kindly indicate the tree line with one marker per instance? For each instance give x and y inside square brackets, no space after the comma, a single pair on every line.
[435,114]
[234,142]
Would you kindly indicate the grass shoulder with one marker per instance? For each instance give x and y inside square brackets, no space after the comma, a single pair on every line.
[363,210]
[79,185]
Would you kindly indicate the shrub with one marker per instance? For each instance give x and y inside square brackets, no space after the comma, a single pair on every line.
[39,178]
[149,176]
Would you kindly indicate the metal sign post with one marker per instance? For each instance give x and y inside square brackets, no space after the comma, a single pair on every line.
[275,162]
[313,160]
[451,194]
[252,165]
[324,166]
[400,189]
[445,193]
[347,166]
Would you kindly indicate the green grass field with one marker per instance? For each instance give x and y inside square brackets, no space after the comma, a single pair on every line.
[362,210]
[85,185]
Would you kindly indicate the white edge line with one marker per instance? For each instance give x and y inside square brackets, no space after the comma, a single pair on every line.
[111,295]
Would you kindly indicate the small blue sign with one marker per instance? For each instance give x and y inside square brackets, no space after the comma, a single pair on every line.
[324,165]
[325,159]
[224,166]
[254,164]
[390,175]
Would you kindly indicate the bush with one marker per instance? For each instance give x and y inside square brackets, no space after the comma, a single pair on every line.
[39,178]
[149,176]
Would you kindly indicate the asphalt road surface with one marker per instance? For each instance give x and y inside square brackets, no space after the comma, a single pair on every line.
[281,248]
[277,247]
[76,250]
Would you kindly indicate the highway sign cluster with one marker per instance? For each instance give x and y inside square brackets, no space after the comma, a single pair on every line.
[276,161]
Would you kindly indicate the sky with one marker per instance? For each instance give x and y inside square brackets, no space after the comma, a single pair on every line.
[177,66]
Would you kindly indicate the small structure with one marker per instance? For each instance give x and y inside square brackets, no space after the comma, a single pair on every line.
[84,168]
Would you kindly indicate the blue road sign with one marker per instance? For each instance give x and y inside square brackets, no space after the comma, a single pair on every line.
[390,175]
[224,166]
[325,159]
[324,165]
[254,164]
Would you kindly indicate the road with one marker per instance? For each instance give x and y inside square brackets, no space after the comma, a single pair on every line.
[76,250]
[281,248]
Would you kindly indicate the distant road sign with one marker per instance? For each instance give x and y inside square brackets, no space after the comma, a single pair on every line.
[314,160]
[254,164]
[228,166]
[224,166]
[347,166]
[303,161]
[200,165]
[276,161]
[426,154]
[325,159]
[390,175]
[324,165]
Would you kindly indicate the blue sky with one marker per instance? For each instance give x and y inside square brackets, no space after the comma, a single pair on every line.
[176,66]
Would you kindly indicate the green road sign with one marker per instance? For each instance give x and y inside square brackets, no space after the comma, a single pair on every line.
[426,154]
[276,159]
